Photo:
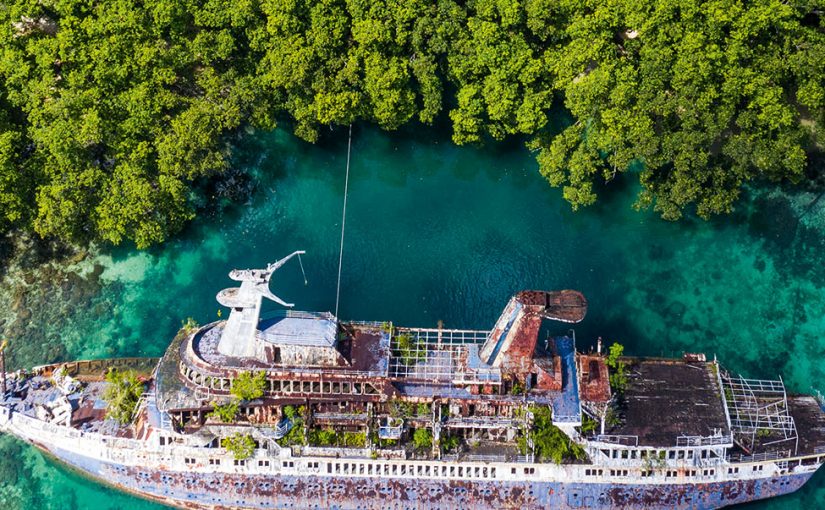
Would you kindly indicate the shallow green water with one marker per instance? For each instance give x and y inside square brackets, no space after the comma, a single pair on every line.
[437,232]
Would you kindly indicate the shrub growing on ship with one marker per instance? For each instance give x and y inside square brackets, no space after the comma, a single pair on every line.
[226,413]
[422,439]
[122,394]
[249,386]
[241,446]
[549,442]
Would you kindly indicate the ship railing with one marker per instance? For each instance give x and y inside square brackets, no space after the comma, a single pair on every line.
[617,439]
[488,422]
[485,458]
[759,457]
[567,418]
[57,430]
[296,314]
[374,324]
[97,366]
[704,440]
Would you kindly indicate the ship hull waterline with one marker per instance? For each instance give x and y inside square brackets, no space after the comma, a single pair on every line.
[255,491]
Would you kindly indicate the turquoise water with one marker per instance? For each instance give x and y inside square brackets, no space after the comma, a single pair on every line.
[436,232]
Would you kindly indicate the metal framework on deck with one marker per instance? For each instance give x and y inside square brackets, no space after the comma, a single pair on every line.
[757,407]
[440,356]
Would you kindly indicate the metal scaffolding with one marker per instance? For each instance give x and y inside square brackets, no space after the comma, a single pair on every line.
[758,411]
[440,356]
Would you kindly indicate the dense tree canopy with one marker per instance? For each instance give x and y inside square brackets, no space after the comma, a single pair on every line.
[113,114]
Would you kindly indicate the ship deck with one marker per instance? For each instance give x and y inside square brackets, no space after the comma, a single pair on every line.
[82,409]
[364,349]
[810,424]
[668,399]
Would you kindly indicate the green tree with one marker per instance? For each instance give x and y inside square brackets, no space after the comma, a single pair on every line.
[422,439]
[696,99]
[116,118]
[549,441]
[241,446]
[323,437]
[449,443]
[226,413]
[618,374]
[249,385]
[122,394]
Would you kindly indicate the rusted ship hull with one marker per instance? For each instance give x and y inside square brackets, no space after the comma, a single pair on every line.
[250,491]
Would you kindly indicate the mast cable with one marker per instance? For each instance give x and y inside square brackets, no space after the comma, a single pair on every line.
[343,222]
[302,269]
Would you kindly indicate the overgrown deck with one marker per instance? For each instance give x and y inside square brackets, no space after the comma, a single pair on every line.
[668,399]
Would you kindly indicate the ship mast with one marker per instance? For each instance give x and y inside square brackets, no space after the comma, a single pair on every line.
[238,338]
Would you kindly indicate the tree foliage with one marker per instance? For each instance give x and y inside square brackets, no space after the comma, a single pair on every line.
[699,97]
[249,385]
[226,413]
[122,394]
[549,441]
[241,446]
[422,439]
[618,373]
[114,116]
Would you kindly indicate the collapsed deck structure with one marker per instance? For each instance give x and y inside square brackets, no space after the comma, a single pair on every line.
[370,415]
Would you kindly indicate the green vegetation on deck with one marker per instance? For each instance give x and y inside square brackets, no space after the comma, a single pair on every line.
[122,394]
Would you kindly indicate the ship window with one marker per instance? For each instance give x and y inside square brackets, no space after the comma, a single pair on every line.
[671,454]
[689,454]
[733,471]
[240,462]
[188,460]
[646,472]
[513,471]
[625,454]
[681,454]
[263,463]
[214,462]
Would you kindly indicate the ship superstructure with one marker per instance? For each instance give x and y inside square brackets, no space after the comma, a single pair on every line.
[356,415]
